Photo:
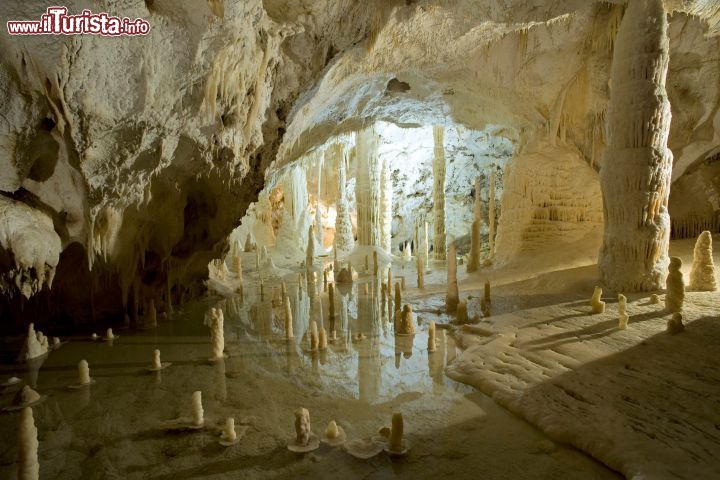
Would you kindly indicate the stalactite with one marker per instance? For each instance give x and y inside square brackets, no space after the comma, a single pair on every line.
[367,189]
[635,177]
[474,260]
[438,167]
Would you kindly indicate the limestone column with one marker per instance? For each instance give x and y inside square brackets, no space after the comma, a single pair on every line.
[439,192]
[474,260]
[637,165]
[343,226]
[385,206]
[367,187]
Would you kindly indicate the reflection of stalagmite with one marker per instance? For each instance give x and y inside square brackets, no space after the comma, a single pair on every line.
[675,286]
[396,433]
[452,296]
[702,274]
[636,171]
[420,271]
[28,465]
[474,260]
[432,346]
[406,325]
[438,167]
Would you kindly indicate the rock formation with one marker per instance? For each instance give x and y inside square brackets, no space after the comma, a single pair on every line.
[675,286]
[702,273]
[28,465]
[439,192]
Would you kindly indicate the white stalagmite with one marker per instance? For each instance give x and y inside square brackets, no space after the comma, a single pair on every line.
[157,364]
[635,175]
[452,296]
[438,167]
[35,343]
[474,260]
[197,409]
[622,315]
[28,465]
[288,319]
[217,333]
[367,187]
[344,240]
[291,237]
[598,306]
[249,245]
[702,274]
[491,215]
[302,426]
[84,373]
[229,434]
[237,266]
[322,339]
[675,286]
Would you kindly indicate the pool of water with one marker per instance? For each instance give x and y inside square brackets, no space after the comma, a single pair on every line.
[117,427]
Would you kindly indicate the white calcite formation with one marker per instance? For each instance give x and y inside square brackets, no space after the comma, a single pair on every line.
[84,373]
[367,188]
[635,176]
[702,272]
[303,431]
[217,334]
[310,249]
[196,409]
[439,192]
[28,464]
[344,239]
[228,434]
[452,297]
[622,315]
[675,286]
[36,344]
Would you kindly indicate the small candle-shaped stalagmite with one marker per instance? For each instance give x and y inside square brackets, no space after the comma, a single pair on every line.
[622,316]
[431,337]
[109,334]
[322,339]
[396,433]
[288,318]
[157,364]
[406,325]
[398,296]
[598,306]
[654,299]
[487,291]
[228,433]
[332,430]
[237,266]
[28,465]
[151,317]
[302,426]
[56,342]
[83,372]
[197,409]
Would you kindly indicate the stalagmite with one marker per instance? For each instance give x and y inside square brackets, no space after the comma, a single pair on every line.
[491,215]
[432,343]
[474,259]
[598,306]
[398,295]
[385,206]
[367,188]
[84,373]
[228,436]
[325,280]
[151,315]
[461,315]
[237,266]
[197,412]
[702,274]
[331,309]
[343,226]
[486,291]
[675,286]
[157,364]
[217,334]
[288,318]
[438,167]
[420,271]
[313,335]
[109,335]
[302,426]
[426,244]
[675,324]
[367,264]
[452,296]
[249,244]
[28,465]
[622,316]
[396,444]
[35,344]
[310,251]
[322,339]
[334,434]
[407,251]
[635,175]
[654,299]
[375,264]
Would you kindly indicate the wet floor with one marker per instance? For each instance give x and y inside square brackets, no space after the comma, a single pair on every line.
[117,427]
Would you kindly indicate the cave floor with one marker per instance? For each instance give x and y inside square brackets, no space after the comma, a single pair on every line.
[117,427]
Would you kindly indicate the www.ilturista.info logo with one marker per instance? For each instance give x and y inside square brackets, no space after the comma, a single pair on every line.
[56,21]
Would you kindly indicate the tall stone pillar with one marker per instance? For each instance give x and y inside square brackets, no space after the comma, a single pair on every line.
[637,165]
[439,191]
[367,188]
[344,239]
[385,206]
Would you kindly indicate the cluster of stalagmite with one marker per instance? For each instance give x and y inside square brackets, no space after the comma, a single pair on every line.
[438,167]
[635,175]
